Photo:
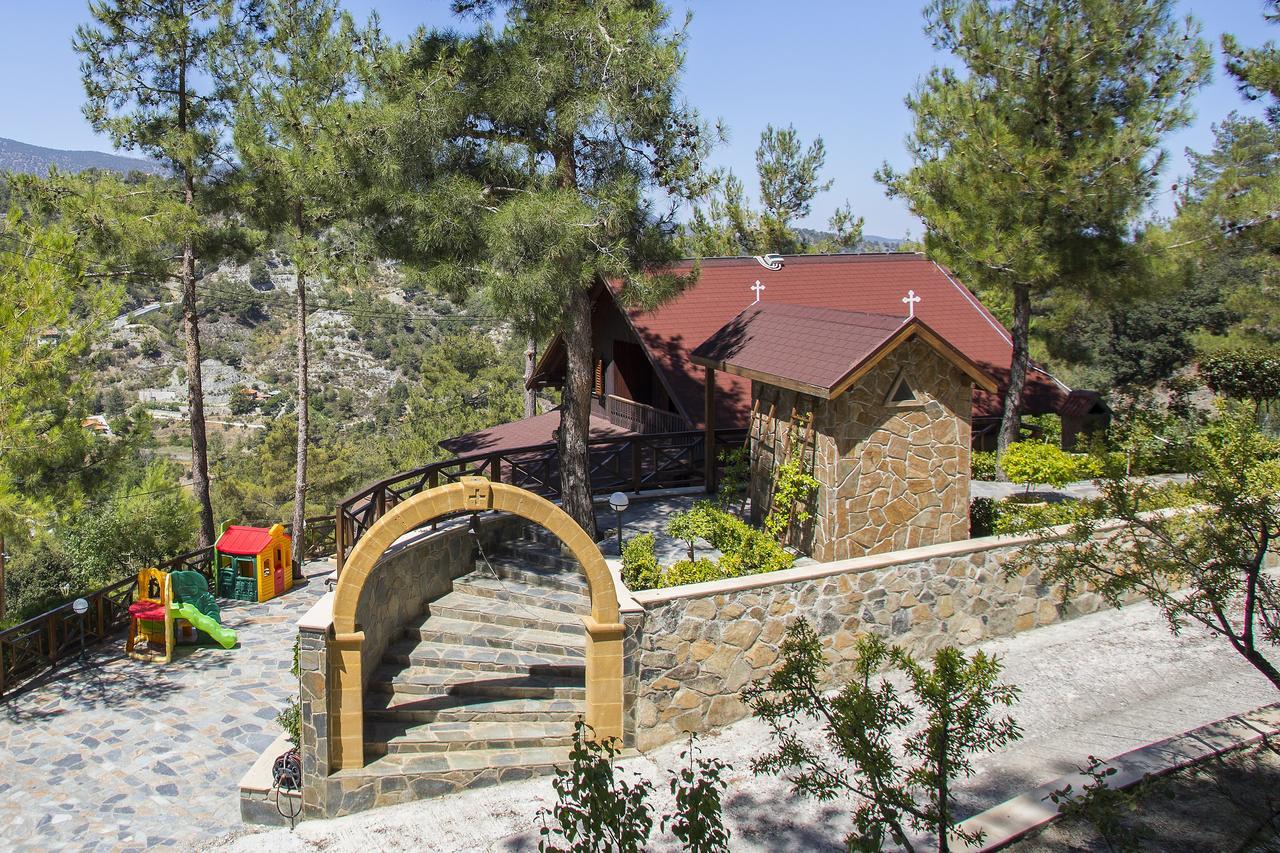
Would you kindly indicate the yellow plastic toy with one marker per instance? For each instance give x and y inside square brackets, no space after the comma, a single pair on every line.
[171,608]
[254,563]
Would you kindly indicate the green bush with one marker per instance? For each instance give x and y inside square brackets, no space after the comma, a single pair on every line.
[982,465]
[746,551]
[640,568]
[793,492]
[1032,462]
[692,571]
[982,517]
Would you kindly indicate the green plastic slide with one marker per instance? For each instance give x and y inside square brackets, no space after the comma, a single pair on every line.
[224,637]
[192,601]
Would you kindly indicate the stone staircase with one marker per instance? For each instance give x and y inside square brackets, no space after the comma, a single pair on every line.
[486,688]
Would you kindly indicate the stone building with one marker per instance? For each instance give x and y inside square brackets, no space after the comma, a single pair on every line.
[879,407]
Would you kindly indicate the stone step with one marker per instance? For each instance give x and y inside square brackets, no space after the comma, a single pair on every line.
[536,761]
[526,571]
[385,737]
[411,652]
[430,681]
[484,585]
[470,709]
[474,608]
[454,632]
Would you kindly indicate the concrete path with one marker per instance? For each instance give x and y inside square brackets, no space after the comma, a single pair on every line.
[1079,489]
[124,755]
[1102,685]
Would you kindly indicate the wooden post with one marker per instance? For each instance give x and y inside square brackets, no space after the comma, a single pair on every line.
[339,542]
[709,419]
[2,602]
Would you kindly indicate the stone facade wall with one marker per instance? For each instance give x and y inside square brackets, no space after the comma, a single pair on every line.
[698,647]
[892,476]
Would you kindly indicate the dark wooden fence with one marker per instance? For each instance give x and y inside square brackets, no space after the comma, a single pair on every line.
[42,642]
[634,463]
[631,463]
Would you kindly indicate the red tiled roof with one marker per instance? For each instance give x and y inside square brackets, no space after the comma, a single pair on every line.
[761,343]
[874,283]
[539,429]
[244,541]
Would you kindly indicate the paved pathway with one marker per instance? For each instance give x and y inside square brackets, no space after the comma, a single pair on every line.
[1102,685]
[130,756]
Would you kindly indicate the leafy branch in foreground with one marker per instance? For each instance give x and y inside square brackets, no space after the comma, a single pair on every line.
[1205,566]
[957,696]
[596,811]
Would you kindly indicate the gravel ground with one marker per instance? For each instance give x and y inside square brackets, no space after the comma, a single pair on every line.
[1102,685]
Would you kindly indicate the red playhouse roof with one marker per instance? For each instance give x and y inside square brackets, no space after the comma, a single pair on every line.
[244,541]
[873,283]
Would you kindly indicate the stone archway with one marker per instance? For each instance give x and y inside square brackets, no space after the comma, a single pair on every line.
[604,628]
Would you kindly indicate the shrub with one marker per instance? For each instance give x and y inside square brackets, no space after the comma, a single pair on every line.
[734,478]
[982,517]
[1243,374]
[747,551]
[982,465]
[640,568]
[1033,462]
[692,571]
[596,811]
[691,525]
[895,773]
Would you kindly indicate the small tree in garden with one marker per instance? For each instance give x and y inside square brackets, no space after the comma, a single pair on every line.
[958,697]
[1203,566]
[1245,374]
[595,811]
[1032,462]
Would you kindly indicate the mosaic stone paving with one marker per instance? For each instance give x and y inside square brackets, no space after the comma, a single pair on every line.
[124,755]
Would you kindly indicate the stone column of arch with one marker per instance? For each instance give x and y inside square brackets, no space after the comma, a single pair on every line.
[471,494]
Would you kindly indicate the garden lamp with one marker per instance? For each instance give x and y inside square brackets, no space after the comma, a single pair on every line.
[81,607]
[619,502]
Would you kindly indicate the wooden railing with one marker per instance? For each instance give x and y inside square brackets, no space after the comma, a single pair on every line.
[638,417]
[42,642]
[633,463]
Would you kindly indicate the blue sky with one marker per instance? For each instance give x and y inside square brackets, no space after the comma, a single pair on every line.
[835,69]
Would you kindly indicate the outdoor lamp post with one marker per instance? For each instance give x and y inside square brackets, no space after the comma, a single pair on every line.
[619,502]
[81,607]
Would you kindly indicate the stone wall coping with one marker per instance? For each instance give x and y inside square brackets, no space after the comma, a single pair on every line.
[626,603]
[651,597]
[320,617]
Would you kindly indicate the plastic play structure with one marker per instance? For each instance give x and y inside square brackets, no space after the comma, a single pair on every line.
[171,607]
[254,563]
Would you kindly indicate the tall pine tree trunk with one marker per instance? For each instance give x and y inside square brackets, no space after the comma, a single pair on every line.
[575,406]
[575,414]
[195,383]
[300,471]
[530,362]
[1010,420]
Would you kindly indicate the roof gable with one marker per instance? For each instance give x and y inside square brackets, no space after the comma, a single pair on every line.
[817,351]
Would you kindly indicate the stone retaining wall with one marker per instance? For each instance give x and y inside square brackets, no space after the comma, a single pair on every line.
[697,646]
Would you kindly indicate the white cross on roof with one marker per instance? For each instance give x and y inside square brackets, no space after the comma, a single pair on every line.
[910,300]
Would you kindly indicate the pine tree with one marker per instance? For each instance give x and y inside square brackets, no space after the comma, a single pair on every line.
[1032,163]
[151,85]
[534,154]
[788,182]
[295,67]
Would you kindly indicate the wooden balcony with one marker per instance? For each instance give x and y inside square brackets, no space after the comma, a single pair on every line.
[639,418]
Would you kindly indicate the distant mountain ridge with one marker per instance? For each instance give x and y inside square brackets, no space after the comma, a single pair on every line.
[34,159]
[870,242]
